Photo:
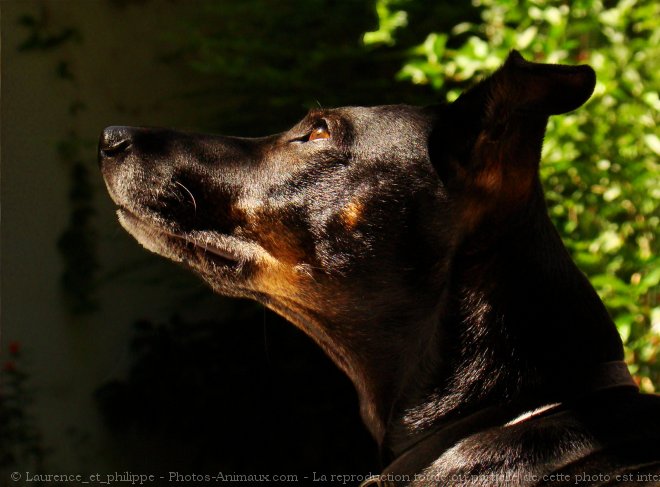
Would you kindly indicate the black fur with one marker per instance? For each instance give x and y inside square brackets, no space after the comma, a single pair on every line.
[413,244]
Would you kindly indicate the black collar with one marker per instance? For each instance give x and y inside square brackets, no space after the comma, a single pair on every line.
[607,375]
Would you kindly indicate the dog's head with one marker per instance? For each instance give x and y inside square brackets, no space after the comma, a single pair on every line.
[346,224]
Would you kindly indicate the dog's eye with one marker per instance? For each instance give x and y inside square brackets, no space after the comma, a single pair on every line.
[320,132]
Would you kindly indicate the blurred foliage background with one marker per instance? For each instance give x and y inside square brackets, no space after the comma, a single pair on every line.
[600,164]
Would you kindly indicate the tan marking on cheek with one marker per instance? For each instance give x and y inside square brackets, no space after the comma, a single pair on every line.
[239,215]
[278,274]
[351,214]
[279,279]
[282,245]
[278,238]
[283,271]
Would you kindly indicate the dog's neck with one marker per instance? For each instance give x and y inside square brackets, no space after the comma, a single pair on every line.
[519,322]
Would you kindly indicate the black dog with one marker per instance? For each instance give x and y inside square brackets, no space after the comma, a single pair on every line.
[413,244]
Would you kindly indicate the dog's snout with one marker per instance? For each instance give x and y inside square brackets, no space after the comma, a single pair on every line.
[114,142]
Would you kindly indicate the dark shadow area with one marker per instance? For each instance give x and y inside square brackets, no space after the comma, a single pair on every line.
[210,391]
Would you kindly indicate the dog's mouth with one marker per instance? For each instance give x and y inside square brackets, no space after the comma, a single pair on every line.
[202,250]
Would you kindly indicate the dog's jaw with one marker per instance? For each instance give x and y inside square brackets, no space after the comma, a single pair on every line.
[148,236]
[226,263]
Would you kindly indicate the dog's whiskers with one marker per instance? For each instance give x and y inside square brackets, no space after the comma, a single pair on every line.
[189,192]
[207,242]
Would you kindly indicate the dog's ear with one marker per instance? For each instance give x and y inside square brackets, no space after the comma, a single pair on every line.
[546,89]
[488,142]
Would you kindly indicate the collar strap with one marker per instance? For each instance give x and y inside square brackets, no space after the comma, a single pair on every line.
[606,375]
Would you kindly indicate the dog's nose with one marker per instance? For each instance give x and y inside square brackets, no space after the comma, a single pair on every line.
[114,142]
